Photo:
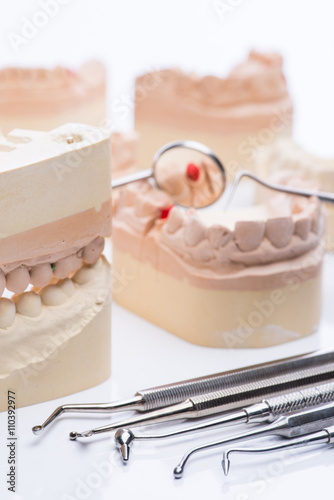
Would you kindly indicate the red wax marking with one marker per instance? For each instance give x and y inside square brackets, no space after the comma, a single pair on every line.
[192,171]
[165,212]
[283,76]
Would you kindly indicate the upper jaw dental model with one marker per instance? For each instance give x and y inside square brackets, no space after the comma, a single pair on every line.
[54,281]
[46,98]
[234,116]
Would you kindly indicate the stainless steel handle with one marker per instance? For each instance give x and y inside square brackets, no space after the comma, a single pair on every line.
[174,393]
[234,397]
[293,425]
[311,420]
[137,176]
[305,398]
[178,392]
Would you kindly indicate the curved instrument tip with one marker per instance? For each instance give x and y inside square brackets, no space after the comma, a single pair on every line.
[178,471]
[37,429]
[73,435]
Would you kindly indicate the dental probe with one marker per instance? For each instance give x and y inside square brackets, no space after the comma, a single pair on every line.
[166,395]
[227,399]
[326,436]
[326,197]
[266,411]
[297,424]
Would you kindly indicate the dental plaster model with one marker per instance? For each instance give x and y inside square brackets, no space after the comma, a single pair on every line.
[124,151]
[285,157]
[43,99]
[244,278]
[234,116]
[54,283]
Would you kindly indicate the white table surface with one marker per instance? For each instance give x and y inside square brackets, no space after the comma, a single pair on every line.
[133,37]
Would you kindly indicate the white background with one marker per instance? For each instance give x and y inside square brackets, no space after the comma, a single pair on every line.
[132,37]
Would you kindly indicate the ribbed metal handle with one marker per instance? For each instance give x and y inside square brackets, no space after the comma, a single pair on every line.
[180,391]
[304,398]
[234,397]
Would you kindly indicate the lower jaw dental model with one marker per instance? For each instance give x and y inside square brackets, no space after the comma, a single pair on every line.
[243,278]
[55,283]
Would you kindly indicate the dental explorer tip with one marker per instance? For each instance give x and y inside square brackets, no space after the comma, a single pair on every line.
[125,453]
[178,471]
[73,435]
[37,429]
[226,462]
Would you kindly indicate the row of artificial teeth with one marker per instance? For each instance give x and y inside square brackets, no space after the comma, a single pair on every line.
[55,294]
[248,235]
[221,91]
[30,77]
[40,275]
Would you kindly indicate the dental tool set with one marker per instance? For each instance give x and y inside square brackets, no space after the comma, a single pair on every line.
[293,396]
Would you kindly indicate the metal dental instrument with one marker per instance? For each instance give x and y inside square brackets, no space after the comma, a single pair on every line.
[181,154]
[326,197]
[297,424]
[184,153]
[166,395]
[266,411]
[227,399]
[325,436]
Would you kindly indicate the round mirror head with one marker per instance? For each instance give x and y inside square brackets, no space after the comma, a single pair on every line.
[190,173]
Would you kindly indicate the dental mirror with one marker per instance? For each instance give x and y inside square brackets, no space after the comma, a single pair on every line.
[188,171]
[195,177]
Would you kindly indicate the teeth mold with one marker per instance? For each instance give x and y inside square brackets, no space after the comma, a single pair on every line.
[286,162]
[55,283]
[244,278]
[37,99]
[234,116]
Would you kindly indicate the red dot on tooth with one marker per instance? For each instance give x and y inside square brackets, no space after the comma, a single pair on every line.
[192,171]
[165,212]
